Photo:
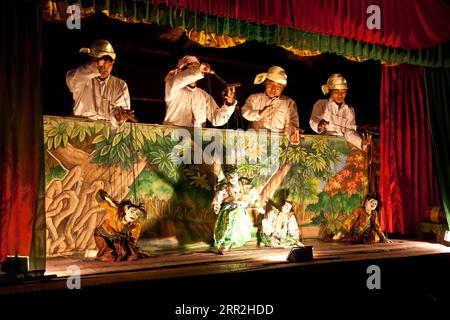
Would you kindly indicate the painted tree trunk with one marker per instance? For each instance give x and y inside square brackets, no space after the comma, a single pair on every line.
[274,182]
[72,211]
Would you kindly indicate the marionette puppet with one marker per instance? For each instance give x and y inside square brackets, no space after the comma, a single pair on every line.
[362,225]
[280,228]
[116,238]
[233,226]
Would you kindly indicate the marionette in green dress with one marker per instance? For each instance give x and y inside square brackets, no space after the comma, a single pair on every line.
[280,228]
[362,225]
[233,226]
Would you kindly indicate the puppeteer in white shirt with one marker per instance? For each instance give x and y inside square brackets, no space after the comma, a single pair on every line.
[334,117]
[96,93]
[270,109]
[190,106]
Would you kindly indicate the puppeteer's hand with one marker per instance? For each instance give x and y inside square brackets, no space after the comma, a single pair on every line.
[296,136]
[229,95]
[124,115]
[366,140]
[206,68]
[265,112]
[323,124]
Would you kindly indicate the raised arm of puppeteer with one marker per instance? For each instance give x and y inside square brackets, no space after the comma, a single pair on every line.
[180,80]
[350,133]
[250,110]
[218,116]
[292,122]
[317,115]
[76,78]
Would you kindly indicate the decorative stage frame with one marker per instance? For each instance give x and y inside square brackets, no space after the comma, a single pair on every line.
[174,171]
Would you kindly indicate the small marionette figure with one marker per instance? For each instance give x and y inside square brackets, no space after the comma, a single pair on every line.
[233,226]
[362,225]
[116,238]
[280,228]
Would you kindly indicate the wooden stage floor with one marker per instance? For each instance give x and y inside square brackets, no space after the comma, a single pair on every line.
[248,258]
[175,264]
[413,272]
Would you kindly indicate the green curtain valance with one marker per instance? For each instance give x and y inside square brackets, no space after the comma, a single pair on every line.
[144,11]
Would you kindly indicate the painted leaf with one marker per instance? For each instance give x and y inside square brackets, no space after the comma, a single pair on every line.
[105,150]
[106,132]
[139,136]
[82,135]
[88,131]
[68,131]
[75,132]
[98,126]
[113,152]
[65,140]
[120,153]
[125,150]
[50,143]
[57,141]
[152,136]
[98,139]
[53,132]
[116,139]
[126,132]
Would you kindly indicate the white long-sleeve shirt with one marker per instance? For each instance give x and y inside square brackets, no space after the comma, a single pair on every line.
[190,107]
[283,118]
[94,98]
[341,120]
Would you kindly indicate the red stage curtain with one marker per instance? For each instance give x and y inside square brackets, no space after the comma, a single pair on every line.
[408,24]
[407,181]
[21,143]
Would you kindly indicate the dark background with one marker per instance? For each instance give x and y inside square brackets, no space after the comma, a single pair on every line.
[146,52]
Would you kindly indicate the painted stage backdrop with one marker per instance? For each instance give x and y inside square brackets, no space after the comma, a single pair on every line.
[174,171]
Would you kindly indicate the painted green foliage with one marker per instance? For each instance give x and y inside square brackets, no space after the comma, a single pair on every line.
[326,176]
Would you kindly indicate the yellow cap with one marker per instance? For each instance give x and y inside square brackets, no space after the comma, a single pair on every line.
[336,81]
[99,49]
[275,73]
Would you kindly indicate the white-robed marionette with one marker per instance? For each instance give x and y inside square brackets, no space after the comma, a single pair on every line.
[233,226]
[97,94]
[270,109]
[116,238]
[280,228]
[334,117]
[190,106]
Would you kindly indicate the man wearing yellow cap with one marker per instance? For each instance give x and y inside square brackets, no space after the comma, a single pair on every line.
[333,116]
[189,106]
[96,93]
[270,109]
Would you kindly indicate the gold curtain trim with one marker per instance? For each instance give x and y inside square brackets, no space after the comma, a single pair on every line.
[302,52]
[213,40]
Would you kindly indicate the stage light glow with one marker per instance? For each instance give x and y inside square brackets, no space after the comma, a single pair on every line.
[436,247]
[276,258]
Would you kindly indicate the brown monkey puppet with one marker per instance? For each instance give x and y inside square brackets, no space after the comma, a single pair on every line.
[116,238]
